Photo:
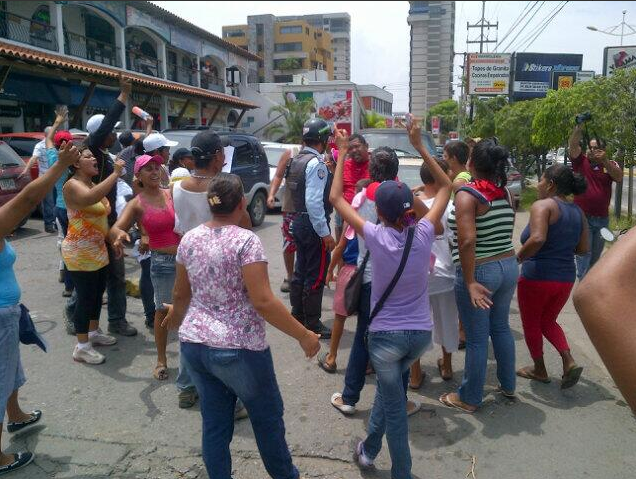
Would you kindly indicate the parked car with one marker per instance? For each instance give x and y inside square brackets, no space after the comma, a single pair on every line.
[398,139]
[560,156]
[274,151]
[249,162]
[11,166]
[514,184]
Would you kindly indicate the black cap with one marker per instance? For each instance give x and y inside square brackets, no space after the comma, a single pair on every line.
[181,153]
[126,138]
[392,199]
[206,143]
[316,129]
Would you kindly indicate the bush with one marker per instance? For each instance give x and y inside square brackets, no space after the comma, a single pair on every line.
[528,196]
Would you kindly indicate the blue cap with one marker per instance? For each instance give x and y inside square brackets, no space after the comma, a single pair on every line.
[393,198]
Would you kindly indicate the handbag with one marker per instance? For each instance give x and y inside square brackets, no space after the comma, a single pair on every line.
[354,288]
[396,277]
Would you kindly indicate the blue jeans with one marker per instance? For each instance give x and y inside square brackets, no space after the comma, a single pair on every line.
[597,243]
[222,375]
[11,373]
[500,277]
[184,379]
[392,353]
[48,208]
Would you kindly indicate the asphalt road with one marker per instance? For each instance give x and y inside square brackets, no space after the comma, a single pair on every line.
[115,421]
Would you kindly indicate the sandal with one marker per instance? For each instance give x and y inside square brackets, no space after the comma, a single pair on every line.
[528,374]
[446,401]
[160,373]
[571,377]
[16,426]
[324,365]
[447,377]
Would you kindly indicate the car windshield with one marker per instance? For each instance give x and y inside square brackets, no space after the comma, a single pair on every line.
[399,142]
[8,157]
[410,174]
[273,154]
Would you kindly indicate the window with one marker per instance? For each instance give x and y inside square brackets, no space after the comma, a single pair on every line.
[243,154]
[259,29]
[291,29]
[307,31]
[288,47]
[288,64]
[23,146]
[283,78]
[235,33]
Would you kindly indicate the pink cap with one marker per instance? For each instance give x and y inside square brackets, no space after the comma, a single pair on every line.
[143,160]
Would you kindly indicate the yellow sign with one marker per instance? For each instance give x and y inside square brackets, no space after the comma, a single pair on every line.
[499,84]
[566,82]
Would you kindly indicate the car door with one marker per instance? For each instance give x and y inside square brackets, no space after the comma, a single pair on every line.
[244,161]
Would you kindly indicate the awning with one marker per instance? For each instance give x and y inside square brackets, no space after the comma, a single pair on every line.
[36,89]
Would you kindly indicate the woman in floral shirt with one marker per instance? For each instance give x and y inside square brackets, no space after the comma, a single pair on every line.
[222,299]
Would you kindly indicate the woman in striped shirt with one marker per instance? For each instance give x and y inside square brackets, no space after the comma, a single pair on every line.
[482,220]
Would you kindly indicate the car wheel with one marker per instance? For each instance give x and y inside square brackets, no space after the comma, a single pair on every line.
[257,209]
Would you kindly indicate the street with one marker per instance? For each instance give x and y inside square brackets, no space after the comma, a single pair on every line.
[115,420]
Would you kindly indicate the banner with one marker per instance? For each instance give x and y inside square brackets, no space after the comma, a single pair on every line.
[488,73]
[334,106]
[586,75]
[561,80]
[615,58]
[532,72]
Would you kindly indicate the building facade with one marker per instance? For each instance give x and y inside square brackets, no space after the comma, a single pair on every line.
[432,53]
[72,53]
[296,44]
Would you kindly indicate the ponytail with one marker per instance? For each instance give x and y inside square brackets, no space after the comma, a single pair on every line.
[490,161]
[567,182]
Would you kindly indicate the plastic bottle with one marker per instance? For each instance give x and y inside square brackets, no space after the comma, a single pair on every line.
[144,115]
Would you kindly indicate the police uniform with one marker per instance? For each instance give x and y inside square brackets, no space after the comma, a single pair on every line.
[309,183]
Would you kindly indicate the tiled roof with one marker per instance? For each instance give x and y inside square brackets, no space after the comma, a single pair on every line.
[29,55]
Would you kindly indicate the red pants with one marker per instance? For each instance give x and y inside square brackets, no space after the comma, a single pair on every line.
[540,303]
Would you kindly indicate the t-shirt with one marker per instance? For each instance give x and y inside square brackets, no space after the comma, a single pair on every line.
[442,279]
[596,199]
[220,313]
[39,151]
[179,174]
[52,157]
[9,287]
[407,307]
[353,172]
[128,155]
[366,209]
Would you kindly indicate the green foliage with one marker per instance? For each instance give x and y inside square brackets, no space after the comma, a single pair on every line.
[447,111]
[372,119]
[290,64]
[528,196]
[483,124]
[622,223]
[294,115]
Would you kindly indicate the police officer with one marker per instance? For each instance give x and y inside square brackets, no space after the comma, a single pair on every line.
[309,182]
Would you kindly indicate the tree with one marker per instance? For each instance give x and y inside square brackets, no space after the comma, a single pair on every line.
[372,119]
[483,124]
[290,64]
[294,115]
[447,111]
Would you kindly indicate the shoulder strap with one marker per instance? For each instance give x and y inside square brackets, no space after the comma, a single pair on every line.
[398,273]
[474,192]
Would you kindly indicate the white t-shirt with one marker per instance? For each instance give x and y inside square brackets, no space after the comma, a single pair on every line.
[39,151]
[367,210]
[191,209]
[442,279]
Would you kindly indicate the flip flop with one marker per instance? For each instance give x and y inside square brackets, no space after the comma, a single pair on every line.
[525,373]
[160,373]
[445,400]
[440,361]
[571,377]
[322,362]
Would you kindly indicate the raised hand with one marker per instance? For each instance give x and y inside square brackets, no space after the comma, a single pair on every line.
[415,131]
[125,85]
[119,166]
[61,114]
[68,154]
[342,140]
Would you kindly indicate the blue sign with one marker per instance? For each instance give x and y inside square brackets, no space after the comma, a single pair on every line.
[532,72]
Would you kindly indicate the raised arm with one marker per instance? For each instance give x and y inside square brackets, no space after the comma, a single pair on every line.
[274,186]
[78,196]
[574,144]
[61,114]
[97,139]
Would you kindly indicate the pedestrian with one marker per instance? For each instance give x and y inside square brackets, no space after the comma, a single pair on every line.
[400,324]
[153,208]
[556,231]
[12,376]
[441,287]
[310,181]
[85,253]
[101,136]
[222,331]
[288,213]
[181,165]
[600,173]
[157,144]
[482,221]
[131,149]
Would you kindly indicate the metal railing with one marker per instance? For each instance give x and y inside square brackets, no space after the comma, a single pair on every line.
[212,82]
[91,49]
[181,74]
[21,29]
[138,62]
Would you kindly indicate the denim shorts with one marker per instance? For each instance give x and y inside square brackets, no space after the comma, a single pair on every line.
[162,274]
[11,373]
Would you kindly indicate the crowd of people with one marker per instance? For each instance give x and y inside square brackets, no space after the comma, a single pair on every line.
[432,264]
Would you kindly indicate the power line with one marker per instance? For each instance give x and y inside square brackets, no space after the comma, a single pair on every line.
[545,26]
[537,27]
[514,24]
[481,25]
[525,25]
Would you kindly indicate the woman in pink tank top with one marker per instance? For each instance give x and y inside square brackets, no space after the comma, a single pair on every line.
[153,210]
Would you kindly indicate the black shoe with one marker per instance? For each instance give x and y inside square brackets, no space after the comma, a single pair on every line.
[50,228]
[21,459]
[122,328]
[324,331]
[16,426]
[188,398]
[150,324]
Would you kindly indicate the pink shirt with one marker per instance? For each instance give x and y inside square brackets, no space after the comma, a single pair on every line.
[220,313]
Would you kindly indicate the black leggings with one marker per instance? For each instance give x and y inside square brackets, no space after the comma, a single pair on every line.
[90,287]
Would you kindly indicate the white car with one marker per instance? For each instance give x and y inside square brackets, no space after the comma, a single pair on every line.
[274,152]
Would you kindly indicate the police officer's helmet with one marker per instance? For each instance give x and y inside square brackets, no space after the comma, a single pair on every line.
[316,129]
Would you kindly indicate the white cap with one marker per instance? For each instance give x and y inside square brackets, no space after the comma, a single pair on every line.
[95,121]
[154,141]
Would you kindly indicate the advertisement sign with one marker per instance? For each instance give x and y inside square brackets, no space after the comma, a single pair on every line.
[615,58]
[586,75]
[435,124]
[141,19]
[532,73]
[453,135]
[488,73]
[334,106]
[562,80]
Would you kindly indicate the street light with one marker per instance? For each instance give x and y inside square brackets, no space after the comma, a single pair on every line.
[611,30]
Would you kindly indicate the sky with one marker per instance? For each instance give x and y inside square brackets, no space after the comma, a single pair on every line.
[380,34]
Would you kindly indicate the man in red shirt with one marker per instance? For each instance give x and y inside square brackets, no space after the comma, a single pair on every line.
[600,173]
[356,168]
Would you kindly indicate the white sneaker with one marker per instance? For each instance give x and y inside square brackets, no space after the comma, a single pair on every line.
[345,409]
[412,407]
[363,461]
[101,339]
[89,356]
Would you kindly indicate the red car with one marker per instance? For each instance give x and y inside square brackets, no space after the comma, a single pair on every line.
[11,166]
[23,144]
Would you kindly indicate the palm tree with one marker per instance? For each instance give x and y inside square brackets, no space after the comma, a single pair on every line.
[294,115]
[372,119]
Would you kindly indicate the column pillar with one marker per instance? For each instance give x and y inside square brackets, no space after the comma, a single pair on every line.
[199,113]
[162,59]
[164,112]
[198,80]
[122,46]
[59,27]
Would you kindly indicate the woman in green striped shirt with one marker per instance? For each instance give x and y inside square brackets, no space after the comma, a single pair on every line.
[482,220]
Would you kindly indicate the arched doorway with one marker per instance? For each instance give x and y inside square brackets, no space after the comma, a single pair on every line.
[141,52]
[89,34]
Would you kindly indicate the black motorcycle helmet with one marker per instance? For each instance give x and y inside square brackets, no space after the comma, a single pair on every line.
[316,130]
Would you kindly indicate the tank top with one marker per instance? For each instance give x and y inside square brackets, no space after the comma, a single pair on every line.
[84,247]
[159,223]
[555,260]
[191,209]
[493,228]
[9,287]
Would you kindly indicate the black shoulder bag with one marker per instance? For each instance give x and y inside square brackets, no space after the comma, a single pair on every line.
[378,306]
[354,288]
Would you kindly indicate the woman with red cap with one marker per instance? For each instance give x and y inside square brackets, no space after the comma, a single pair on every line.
[153,208]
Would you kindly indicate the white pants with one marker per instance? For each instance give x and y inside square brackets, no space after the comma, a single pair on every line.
[445,320]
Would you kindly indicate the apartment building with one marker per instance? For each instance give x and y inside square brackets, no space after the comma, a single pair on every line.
[296,44]
[73,52]
[432,51]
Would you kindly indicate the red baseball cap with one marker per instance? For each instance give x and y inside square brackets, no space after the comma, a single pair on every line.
[62,136]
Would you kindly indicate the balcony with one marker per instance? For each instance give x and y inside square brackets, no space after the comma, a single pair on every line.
[138,62]
[184,75]
[212,82]
[91,49]
[24,30]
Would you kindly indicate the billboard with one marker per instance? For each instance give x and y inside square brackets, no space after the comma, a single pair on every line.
[334,106]
[615,58]
[435,127]
[561,80]
[532,72]
[488,73]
